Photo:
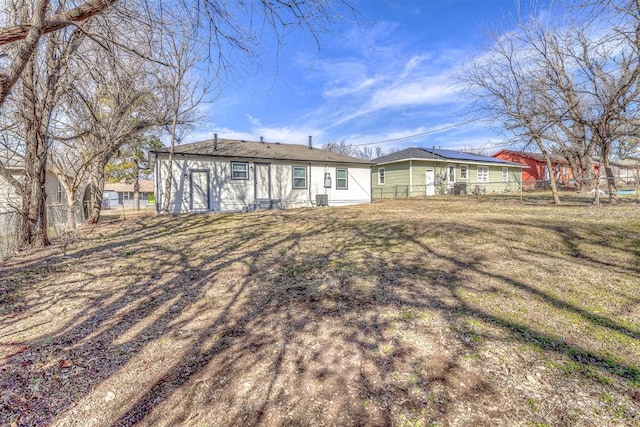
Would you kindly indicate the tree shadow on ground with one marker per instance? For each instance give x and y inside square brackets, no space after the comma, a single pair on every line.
[321,316]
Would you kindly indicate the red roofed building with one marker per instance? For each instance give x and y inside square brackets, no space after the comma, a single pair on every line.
[537,172]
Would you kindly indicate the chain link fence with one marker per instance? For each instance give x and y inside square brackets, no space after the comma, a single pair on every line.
[573,190]
[57,222]
[463,188]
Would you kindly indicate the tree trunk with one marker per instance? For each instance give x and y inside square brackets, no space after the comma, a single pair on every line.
[31,35]
[611,181]
[136,187]
[552,178]
[33,229]
[588,173]
[166,197]
[575,170]
[72,203]
[61,19]
[71,214]
[96,189]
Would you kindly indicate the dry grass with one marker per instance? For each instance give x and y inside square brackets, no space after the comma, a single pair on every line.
[404,313]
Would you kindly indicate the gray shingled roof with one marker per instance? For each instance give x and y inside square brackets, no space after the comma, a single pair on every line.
[439,154]
[408,153]
[146,185]
[261,150]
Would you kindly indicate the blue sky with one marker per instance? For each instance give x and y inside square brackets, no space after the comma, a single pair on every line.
[386,77]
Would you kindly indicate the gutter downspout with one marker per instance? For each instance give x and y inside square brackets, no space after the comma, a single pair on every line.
[156,179]
[309,183]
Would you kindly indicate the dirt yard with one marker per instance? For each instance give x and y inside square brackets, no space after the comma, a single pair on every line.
[416,313]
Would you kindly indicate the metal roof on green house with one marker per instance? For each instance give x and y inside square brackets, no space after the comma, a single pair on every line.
[233,148]
[415,153]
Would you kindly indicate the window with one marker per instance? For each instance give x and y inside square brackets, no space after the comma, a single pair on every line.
[342,182]
[239,170]
[483,174]
[505,175]
[380,176]
[299,177]
[464,172]
[126,195]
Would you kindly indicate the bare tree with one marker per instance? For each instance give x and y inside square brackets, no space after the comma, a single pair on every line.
[41,84]
[571,88]
[29,27]
[340,147]
[184,91]
[120,29]
[115,104]
[506,84]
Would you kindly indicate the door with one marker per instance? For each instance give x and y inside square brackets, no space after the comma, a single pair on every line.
[451,176]
[263,180]
[430,182]
[199,191]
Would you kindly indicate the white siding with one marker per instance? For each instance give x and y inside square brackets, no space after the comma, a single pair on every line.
[51,189]
[10,200]
[238,195]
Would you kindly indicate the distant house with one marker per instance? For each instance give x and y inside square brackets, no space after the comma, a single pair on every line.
[626,171]
[12,201]
[429,171]
[536,172]
[235,175]
[122,194]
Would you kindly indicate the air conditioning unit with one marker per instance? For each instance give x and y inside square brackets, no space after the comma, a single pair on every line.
[322,199]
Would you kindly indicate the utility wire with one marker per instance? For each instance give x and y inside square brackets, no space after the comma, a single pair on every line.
[418,134]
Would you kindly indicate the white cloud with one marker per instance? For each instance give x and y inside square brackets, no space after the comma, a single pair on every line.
[284,134]
[412,93]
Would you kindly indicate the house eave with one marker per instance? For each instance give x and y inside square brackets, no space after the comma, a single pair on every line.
[456,161]
[284,159]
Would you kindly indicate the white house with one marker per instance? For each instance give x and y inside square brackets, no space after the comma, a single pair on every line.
[10,200]
[121,194]
[233,175]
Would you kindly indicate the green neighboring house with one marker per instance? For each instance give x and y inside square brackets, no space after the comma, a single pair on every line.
[428,172]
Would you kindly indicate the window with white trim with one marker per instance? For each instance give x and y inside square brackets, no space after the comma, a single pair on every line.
[483,174]
[505,174]
[299,177]
[380,176]
[464,172]
[342,176]
[239,170]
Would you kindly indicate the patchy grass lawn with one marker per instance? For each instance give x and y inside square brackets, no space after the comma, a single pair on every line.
[427,312]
